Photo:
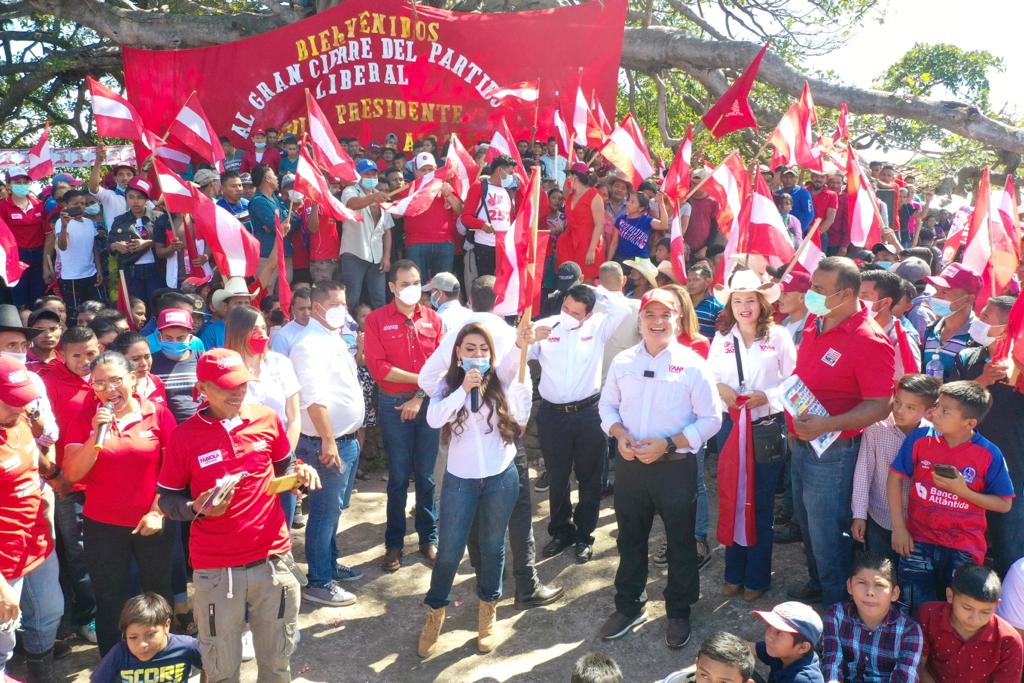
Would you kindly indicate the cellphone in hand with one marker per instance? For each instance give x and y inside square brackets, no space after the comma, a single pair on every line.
[75,211]
[947,471]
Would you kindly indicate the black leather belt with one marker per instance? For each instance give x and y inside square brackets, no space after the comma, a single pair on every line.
[673,457]
[254,563]
[343,437]
[576,406]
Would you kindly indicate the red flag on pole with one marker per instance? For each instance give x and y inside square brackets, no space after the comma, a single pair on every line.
[627,151]
[193,129]
[732,111]
[502,142]
[989,251]
[234,249]
[765,234]
[284,289]
[794,139]
[421,194]
[526,91]
[1010,214]
[327,151]
[460,167]
[677,181]
[40,165]
[729,185]
[310,181]
[177,193]
[115,116]
[842,127]
[518,279]
[862,215]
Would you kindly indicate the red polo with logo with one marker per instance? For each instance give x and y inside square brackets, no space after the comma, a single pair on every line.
[27,225]
[122,482]
[201,451]
[992,655]
[25,538]
[395,341]
[851,362]
[69,394]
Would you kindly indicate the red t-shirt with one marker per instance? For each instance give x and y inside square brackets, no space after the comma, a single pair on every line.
[69,394]
[201,451]
[29,226]
[938,516]
[395,341]
[703,220]
[823,201]
[992,655]
[851,362]
[325,243]
[35,364]
[122,482]
[25,538]
[436,224]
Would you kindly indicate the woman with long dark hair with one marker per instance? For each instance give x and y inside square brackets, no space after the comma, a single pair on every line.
[480,408]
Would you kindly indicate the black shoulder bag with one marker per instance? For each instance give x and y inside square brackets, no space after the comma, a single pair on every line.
[768,432]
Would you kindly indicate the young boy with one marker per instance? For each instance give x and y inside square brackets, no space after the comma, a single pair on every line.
[956,476]
[871,639]
[793,632]
[964,640]
[722,658]
[149,652]
[872,525]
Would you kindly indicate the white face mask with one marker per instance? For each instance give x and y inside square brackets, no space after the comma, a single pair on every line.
[508,182]
[567,322]
[979,331]
[336,317]
[20,357]
[410,296]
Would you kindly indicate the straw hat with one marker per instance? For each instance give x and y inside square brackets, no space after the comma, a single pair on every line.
[646,268]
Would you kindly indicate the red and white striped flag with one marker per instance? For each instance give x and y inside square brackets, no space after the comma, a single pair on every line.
[677,180]
[115,116]
[1009,214]
[422,192]
[192,128]
[40,164]
[502,142]
[810,257]
[177,193]
[327,151]
[794,138]
[460,168]
[519,259]
[563,132]
[599,115]
[580,114]
[765,234]
[862,215]
[310,181]
[234,249]
[842,127]
[990,252]
[677,249]
[526,91]
[124,301]
[13,267]
[627,151]
[729,185]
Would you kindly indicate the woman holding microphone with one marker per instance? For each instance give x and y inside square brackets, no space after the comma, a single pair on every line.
[480,409]
[750,357]
[116,450]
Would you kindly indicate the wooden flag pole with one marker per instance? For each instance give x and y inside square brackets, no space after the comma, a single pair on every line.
[802,248]
[531,266]
[536,117]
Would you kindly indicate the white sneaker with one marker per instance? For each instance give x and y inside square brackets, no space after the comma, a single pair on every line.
[248,651]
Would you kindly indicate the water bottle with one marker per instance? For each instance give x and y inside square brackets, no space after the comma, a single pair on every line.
[934,367]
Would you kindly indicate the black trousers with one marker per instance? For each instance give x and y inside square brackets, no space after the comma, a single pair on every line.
[109,551]
[520,534]
[668,489]
[572,441]
[485,259]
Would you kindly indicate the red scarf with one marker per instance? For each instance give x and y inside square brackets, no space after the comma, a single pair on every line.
[734,474]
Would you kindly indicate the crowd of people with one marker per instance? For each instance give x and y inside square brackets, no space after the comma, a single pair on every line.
[183,432]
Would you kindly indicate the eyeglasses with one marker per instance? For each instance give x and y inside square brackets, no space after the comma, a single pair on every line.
[112,383]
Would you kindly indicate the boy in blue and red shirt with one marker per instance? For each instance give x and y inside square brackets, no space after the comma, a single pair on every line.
[956,475]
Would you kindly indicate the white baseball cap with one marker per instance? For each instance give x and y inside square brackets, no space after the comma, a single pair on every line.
[425,159]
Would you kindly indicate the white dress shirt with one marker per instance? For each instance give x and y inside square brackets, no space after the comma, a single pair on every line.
[436,366]
[478,451]
[287,337]
[571,360]
[661,396]
[328,377]
[453,315]
[766,363]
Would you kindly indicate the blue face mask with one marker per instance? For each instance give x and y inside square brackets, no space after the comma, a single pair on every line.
[92,210]
[886,265]
[20,190]
[941,307]
[368,183]
[481,364]
[816,303]
[259,145]
[173,349]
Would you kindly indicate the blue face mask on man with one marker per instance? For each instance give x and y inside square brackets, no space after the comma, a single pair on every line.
[92,210]
[816,303]
[369,183]
[174,350]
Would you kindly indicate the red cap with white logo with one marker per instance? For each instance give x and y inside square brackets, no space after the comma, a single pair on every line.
[174,317]
[223,367]
[16,388]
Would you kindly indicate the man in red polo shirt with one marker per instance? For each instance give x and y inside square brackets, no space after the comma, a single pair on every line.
[240,548]
[430,236]
[69,391]
[848,363]
[826,205]
[399,338]
[26,544]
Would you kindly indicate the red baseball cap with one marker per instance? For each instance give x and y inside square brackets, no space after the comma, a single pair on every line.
[16,388]
[796,281]
[174,317]
[581,168]
[956,276]
[661,296]
[259,131]
[140,185]
[223,367]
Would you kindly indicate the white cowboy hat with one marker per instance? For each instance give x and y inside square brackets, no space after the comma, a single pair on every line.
[747,281]
[234,286]
[646,268]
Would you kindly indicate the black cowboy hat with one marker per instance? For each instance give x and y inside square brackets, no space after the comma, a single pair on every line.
[10,320]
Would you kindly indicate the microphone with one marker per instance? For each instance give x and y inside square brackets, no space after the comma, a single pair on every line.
[474,399]
[101,433]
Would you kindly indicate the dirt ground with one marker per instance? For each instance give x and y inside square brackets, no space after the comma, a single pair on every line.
[375,639]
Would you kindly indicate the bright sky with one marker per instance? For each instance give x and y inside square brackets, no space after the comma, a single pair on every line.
[992,25]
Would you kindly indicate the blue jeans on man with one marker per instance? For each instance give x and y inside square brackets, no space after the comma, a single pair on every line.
[143,280]
[42,605]
[325,505]
[431,258]
[412,451]
[67,518]
[925,574]
[489,501]
[822,490]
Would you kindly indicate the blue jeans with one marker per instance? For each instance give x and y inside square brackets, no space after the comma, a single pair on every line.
[822,489]
[700,527]
[925,575]
[431,258]
[412,450]
[41,606]
[30,287]
[751,567]
[490,501]
[325,505]
[1006,533]
[878,539]
[143,280]
[67,519]
[361,277]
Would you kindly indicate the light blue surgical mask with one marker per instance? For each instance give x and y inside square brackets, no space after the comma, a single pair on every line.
[941,307]
[886,265]
[20,190]
[508,182]
[481,364]
[369,183]
[259,145]
[174,350]
[92,210]
[816,303]
[435,300]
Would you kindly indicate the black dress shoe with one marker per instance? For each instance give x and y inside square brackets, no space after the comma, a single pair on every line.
[584,551]
[677,634]
[555,546]
[544,595]
[805,593]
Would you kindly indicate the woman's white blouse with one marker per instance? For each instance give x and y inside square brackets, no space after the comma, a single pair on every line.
[766,363]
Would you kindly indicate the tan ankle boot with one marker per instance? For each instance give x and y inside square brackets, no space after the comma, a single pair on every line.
[431,631]
[487,640]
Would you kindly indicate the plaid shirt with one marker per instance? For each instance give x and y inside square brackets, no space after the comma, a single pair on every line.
[852,652]
[878,448]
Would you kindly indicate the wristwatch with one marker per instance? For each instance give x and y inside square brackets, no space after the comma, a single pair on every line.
[420,394]
[670,448]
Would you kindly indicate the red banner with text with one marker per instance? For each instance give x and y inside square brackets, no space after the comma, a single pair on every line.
[378,67]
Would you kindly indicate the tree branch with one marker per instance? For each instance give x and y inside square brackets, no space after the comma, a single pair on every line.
[666,135]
